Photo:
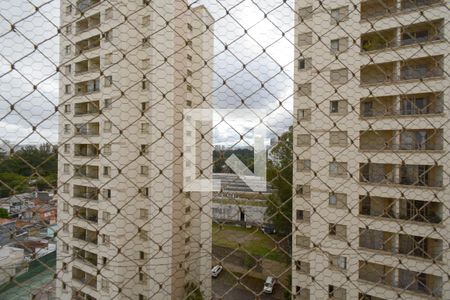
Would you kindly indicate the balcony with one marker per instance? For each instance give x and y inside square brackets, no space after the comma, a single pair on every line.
[89,129]
[85,235]
[420,282]
[87,66]
[422,33]
[414,4]
[378,40]
[377,173]
[88,44]
[376,273]
[84,5]
[378,73]
[377,206]
[86,213]
[377,240]
[87,150]
[88,23]
[422,68]
[87,87]
[421,211]
[85,108]
[407,140]
[85,192]
[422,247]
[86,171]
[377,8]
[85,256]
[84,278]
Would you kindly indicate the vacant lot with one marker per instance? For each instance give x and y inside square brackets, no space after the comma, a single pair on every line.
[253,241]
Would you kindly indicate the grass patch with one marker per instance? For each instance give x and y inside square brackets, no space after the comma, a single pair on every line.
[252,240]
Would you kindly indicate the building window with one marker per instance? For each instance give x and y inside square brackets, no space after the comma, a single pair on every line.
[69,9]
[304,89]
[144,106]
[109,13]
[143,235]
[337,230]
[106,216]
[339,14]
[304,165]
[338,200]
[338,261]
[144,149]
[67,108]
[338,169]
[107,126]
[338,139]
[108,81]
[336,293]
[303,190]
[339,76]
[144,170]
[305,64]
[189,57]
[339,45]
[68,69]
[107,171]
[68,29]
[144,85]
[106,239]
[105,284]
[145,127]
[304,114]
[303,140]
[107,103]
[68,50]
[108,35]
[145,191]
[143,213]
[302,215]
[189,88]
[65,247]
[145,43]
[302,241]
[107,149]
[108,59]
[67,148]
[145,63]
[338,107]
[305,39]
[106,193]
[305,13]
[66,128]
[66,169]
[146,20]
[67,89]
[302,266]
[188,103]
[65,207]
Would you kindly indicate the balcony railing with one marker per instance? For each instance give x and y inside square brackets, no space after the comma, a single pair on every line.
[84,5]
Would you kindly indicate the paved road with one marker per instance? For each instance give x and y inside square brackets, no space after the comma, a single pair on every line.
[225,287]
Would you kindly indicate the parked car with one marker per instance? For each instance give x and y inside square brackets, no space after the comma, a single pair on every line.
[216,270]
[269,228]
[269,284]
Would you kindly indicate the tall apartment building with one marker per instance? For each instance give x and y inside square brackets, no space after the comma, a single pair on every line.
[127,228]
[371,140]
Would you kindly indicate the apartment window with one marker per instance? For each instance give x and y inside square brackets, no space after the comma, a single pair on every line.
[303,190]
[66,169]
[145,20]
[302,241]
[187,209]
[68,69]
[108,35]
[339,76]
[338,200]
[106,193]
[305,39]
[338,107]
[339,14]
[68,50]
[304,114]
[304,165]
[337,230]
[107,149]
[189,43]
[145,127]
[142,255]
[106,171]
[144,85]
[336,293]
[189,57]
[65,207]
[64,266]
[145,43]
[145,63]
[144,170]
[109,13]
[107,103]
[68,29]
[106,216]
[338,169]
[108,81]
[66,188]
[105,284]
[189,88]
[143,235]
[67,108]
[188,103]
[66,128]
[67,148]
[302,266]
[142,297]
[143,213]
[189,26]
[144,149]
[339,45]
[68,10]
[107,126]
[305,13]
[303,140]
[144,106]
[305,64]
[338,261]
[304,89]
[65,247]
[67,89]
[108,59]
[106,239]
[338,138]
[302,215]
[188,73]
[145,191]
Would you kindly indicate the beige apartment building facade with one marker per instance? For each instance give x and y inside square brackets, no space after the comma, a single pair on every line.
[127,228]
[371,137]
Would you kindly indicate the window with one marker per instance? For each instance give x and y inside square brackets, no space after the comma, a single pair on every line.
[305,39]
[66,148]
[69,10]
[339,14]
[339,76]
[67,108]
[107,103]
[188,103]
[145,191]
[305,64]
[65,207]
[338,138]
[107,126]
[144,170]
[305,13]
[142,277]
[303,140]
[303,190]
[302,241]
[106,216]
[189,57]
[145,43]
[302,215]
[106,193]
[105,284]
[143,235]
[107,149]
[338,107]
[189,88]
[338,200]
[106,171]
[188,73]
[338,169]
[144,85]
[67,89]
[304,165]
[337,230]
[338,261]
[66,128]
[109,13]
[189,26]
[108,59]
[144,149]
[336,293]
[144,106]
[68,69]
[145,20]
[142,297]
[108,81]
[106,239]
[68,50]
[66,169]
[304,114]
[145,63]
[108,35]
[68,29]
[65,247]
[145,127]
[339,45]
[304,89]
[143,213]
[302,266]
[142,255]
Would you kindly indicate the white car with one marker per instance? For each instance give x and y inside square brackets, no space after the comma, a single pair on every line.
[269,284]
[216,271]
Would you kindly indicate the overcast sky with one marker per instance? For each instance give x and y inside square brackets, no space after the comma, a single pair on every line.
[36,67]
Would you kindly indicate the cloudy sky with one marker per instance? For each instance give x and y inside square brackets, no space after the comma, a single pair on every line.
[29,84]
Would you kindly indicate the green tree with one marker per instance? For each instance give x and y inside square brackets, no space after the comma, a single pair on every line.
[11,183]
[192,291]
[279,174]
[4,213]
